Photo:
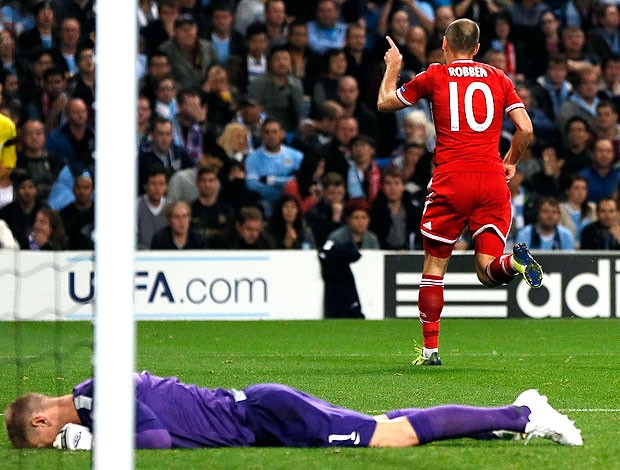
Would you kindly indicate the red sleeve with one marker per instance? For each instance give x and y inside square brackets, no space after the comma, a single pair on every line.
[512,99]
[417,88]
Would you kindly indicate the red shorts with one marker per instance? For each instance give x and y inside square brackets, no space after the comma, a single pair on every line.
[458,199]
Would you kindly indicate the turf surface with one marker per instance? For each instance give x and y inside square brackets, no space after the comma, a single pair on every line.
[362,365]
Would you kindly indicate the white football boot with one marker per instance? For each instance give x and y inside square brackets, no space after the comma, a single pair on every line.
[546,422]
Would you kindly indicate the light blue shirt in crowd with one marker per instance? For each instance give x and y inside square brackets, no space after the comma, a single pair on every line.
[277,168]
[320,39]
[547,243]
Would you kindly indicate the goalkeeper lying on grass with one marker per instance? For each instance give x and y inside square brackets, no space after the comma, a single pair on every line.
[173,414]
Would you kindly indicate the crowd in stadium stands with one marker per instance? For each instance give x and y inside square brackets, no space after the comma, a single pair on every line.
[258,126]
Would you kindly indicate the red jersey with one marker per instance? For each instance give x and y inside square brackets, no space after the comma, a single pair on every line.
[468,101]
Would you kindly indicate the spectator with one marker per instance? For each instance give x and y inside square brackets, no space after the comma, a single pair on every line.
[151,206]
[443,16]
[304,61]
[251,116]
[10,64]
[315,134]
[584,101]
[213,218]
[220,98]
[82,11]
[161,150]
[166,105]
[415,163]
[234,142]
[182,184]
[394,23]
[602,177]
[41,37]
[327,215]
[348,98]
[609,89]
[74,142]
[357,213]
[364,176]
[280,94]
[190,57]
[189,124]
[162,29]
[417,127]
[576,155]
[49,105]
[82,84]
[607,126]
[604,39]
[415,59]
[544,128]
[19,214]
[545,181]
[11,94]
[178,234]
[34,158]
[79,217]
[236,193]
[145,121]
[305,187]
[326,31]
[576,211]
[573,42]
[250,234]
[276,22]
[338,151]
[394,216]
[158,67]
[554,89]
[502,39]
[246,68]
[604,234]
[334,66]
[48,232]
[288,227]
[224,39]
[547,233]
[32,83]
[548,34]
[271,166]
[68,44]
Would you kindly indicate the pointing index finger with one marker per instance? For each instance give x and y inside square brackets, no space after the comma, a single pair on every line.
[392,45]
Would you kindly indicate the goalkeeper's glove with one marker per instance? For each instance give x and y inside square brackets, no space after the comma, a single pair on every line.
[74,437]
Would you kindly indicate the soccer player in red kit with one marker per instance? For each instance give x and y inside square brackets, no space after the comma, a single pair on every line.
[469,184]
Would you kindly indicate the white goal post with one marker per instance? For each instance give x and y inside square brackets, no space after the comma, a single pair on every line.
[115,199]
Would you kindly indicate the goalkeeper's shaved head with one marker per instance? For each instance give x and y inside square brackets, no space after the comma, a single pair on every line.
[18,418]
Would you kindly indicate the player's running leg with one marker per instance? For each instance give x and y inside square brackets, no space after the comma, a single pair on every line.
[496,268]
[431,300]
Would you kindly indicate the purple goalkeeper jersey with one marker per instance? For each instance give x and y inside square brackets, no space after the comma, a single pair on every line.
[170,413]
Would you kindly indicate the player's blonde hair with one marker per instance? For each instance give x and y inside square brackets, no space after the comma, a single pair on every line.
[18,415]
[463,35]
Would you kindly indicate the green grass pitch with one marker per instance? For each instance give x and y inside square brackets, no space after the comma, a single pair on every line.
[358,364]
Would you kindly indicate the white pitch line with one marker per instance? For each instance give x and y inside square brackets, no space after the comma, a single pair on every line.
[563,410]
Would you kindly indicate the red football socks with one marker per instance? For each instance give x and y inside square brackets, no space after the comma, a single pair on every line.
[430,304]
[500,270]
